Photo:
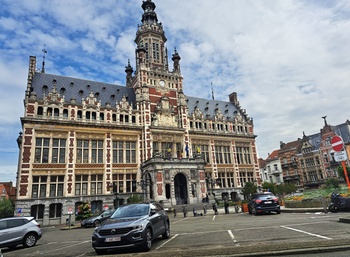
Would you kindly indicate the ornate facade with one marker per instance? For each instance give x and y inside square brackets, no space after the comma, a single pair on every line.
[84,139]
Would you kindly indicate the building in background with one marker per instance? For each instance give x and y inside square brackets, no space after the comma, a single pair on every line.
[88,141]
[7,190]
[308,161]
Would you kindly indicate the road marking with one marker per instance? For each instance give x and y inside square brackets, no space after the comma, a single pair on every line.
[307,233]
[167,241]
[232,236]
[60,249]
[214,217]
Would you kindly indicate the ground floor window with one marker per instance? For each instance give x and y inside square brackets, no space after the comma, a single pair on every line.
[55,210]
[96,207]
[37,211]
[77,204]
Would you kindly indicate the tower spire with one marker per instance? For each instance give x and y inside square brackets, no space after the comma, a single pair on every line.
[43,64]
[212,91]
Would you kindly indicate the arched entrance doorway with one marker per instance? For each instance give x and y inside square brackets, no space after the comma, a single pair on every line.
[180,186]
[147,187]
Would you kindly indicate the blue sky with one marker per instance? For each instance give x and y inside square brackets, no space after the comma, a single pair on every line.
[288,60]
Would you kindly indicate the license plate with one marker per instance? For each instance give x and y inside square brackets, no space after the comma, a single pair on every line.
[112,239]
[267,202]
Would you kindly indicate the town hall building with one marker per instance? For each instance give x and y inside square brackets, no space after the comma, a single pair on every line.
[88,141]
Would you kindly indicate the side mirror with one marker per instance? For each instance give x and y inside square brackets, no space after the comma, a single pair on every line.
[153,212]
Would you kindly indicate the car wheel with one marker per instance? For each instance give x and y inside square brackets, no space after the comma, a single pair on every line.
[100,251]
[97,223]
[278,212]
[148,241]
[166,233]
[30,240]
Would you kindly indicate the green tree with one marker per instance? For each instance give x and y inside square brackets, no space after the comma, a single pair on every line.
[332,183]
[248,189]
[340,171]
[135,199]
[6,208]
[271,187]
[285,189]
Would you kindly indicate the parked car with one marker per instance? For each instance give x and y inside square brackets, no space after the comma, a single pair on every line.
[133,225]
[95,221]
[19,230]
[264,203]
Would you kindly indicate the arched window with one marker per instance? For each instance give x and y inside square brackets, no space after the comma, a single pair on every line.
[40,111]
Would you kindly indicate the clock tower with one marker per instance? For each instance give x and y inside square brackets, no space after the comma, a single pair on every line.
[159,94]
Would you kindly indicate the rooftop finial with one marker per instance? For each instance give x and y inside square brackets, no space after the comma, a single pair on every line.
[44,53]
[325,122]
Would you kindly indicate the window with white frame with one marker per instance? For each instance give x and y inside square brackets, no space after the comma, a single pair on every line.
[89,151]
[56,185]
[53,149]
[124,151]
[243,155]
[81,184]
[39,186]
[96,184]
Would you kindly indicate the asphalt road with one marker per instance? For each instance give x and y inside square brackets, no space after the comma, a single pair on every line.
[237,234]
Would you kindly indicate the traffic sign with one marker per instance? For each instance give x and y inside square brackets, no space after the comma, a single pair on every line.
[337,143]
[340,156]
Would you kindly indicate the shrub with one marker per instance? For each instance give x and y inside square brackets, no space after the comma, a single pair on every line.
[84,211]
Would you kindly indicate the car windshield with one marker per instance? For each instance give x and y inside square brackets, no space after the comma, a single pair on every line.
[265,196]
[133,210]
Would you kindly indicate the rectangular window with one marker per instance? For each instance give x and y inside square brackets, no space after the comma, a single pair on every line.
[56,185]
[42,146]
[81,184]
[124,151]
[46,147]
[243,155]
[96,184]
[39,186]
[55,210]
[125,183]
[58,150]
[89,150]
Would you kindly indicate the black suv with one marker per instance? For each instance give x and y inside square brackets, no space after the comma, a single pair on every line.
[264,203]
[132,225]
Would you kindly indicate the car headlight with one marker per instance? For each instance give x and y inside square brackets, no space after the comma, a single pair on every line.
[138,227]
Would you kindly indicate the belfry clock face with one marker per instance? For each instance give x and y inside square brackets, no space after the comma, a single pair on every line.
[162,83]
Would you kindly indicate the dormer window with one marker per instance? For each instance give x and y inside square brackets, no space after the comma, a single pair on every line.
[45,88]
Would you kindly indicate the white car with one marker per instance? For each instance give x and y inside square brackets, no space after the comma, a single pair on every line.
[19,231]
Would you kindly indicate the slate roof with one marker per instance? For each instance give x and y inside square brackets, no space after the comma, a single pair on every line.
[80,88]
[209,107]
[74,88]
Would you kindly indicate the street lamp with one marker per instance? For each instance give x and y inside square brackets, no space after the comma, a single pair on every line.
[114,190]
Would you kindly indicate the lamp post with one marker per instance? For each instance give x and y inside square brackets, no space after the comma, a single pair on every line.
[114,191]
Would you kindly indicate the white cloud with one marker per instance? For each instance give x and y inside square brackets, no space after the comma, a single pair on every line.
[287,60]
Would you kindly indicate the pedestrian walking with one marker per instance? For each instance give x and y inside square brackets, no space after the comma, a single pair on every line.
[184,210]
[174,212]
[215,209]
[226,205]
